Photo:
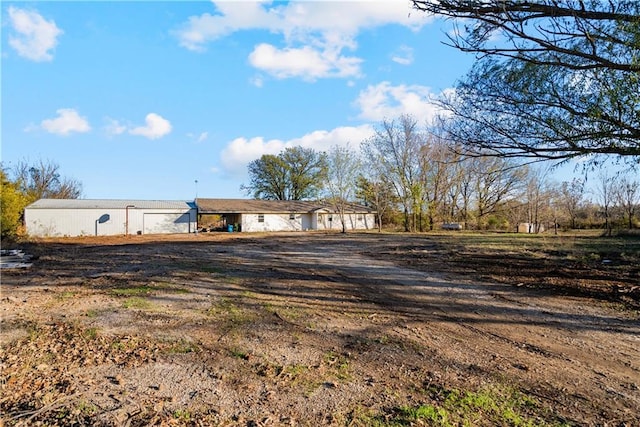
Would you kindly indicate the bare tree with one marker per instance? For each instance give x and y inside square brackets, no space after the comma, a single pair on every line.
[438,164]
[571,195]
[605,191]
[342,173]
[538,196]
[42,180]
[497,180]
[577,34]
[396,148]
[554,80]
[627,194]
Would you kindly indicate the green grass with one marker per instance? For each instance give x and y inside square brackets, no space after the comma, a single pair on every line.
[137,302]
[227,310]
[495,405]
[85,408]
[587,246]
[338,364]
[63,296]
[289,313]
[239,354]
[90,333]
[91,313]
[295,371]
[182,415]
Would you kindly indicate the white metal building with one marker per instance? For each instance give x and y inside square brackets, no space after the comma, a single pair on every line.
[286,215]
[83,217]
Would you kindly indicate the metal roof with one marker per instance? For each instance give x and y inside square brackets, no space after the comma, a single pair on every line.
[109,204]
[218,206]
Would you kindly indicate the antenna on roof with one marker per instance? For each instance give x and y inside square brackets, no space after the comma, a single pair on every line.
[195,202]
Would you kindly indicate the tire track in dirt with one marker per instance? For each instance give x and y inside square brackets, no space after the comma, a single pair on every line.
[558,344]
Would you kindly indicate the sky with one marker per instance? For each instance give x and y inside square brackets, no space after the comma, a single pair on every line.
[169,100]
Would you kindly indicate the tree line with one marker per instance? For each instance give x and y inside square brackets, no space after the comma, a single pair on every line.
[417,181]
[23,184]
[553,81]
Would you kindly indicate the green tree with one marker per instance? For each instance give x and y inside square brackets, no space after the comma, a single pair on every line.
[297,173]
[12,204]
[307,170]
[378,193]
[269,178]
[555,80]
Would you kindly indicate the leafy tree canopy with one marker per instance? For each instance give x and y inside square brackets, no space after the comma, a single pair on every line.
[296,173]
[12,204]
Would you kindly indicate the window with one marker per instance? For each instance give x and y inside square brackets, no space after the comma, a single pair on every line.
[260,217]
[292,216]
[360,218]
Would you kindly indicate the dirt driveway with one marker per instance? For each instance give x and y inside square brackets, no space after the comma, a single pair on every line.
[301,329]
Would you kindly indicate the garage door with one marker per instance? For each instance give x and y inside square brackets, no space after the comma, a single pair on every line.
[157,223]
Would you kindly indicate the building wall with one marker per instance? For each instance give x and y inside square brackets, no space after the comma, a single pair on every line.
[107,222]
[304,222]
[273,222]
[530,228]
[353,221]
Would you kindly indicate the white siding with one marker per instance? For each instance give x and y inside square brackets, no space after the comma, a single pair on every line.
[86,222]
[312,221]
[155,223]
[272,222]
[353,221]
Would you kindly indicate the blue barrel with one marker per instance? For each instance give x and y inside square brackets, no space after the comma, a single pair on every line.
[230,228]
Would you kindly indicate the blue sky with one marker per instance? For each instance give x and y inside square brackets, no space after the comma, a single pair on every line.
[139,100]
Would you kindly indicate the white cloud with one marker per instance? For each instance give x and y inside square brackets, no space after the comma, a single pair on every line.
[156,127]
[257,81]
[202,137]
[198,138]
[316,32]
[403,56]
[384,101]
[114,127]
[68,121]
[34,36]
[307,62]
[241,151]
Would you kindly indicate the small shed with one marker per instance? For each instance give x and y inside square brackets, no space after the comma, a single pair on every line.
[530,228]
[286,215]
[86,217]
